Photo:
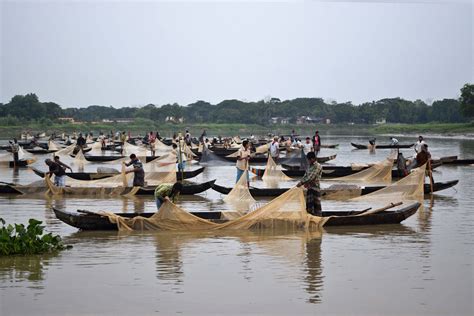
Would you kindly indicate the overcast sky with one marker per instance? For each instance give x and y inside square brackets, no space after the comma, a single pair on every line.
[121,53]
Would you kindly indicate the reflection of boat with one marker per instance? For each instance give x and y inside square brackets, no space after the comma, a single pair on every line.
[86,176]
[437,186]
[360,146]
[93,221]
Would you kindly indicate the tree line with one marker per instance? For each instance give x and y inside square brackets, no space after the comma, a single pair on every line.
[27,108]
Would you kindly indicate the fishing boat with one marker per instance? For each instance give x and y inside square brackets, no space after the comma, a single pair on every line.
[273,192]
[100,158]
[86,176]
[360,146]
[86,220]
[188,188]
[264,158]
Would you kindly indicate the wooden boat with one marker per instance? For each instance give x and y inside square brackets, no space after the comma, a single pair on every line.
[188,188]
[96,175]
[360,146]
[263,159]
[86,220]
[272,192]
[330,146]
[459,162]
[21,163]
[92,158]
[40,151]
[329,172]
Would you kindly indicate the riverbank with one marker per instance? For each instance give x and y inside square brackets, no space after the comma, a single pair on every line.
[141,126]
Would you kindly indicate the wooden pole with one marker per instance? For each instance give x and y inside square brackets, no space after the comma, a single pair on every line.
[430,173]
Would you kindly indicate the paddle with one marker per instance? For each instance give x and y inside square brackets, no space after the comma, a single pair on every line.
[430,173]
[391,205]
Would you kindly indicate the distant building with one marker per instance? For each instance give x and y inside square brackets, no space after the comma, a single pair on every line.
[280,120]
[308,120]
[381,121]
[66,119]
[172,119]
[118,120]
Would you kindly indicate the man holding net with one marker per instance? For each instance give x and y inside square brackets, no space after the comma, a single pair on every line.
[138,171]
[310,181]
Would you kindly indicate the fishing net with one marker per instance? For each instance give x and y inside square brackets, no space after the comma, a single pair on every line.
[273,172]
[288,211]
[409,188]
[262,149]
[52,146]
[208,157]
[380,172]
[66,151]
[240,197]
[296,158]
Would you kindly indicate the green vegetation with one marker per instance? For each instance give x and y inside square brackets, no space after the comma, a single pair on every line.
[238,117]
[16,239]
[467,100]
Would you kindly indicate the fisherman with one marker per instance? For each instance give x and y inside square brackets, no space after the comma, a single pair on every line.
[58,171]
[15,150]
[187,138]
[419,144]
[167,191]
[122,140]
[151,142]
[80,142]
[139,172]
[275,149]
[308,146]
[423,156]
[316,142]
[393,141]
[243,157]
[101,139]
[401,165]
[62,164]
[310,181]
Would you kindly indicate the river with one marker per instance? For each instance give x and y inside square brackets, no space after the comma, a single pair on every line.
[422,266]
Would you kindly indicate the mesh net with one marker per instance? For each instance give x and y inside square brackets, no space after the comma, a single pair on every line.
[409,188]
[288,211]
[210,158]
[52,146]
[262,149]
[273,172]
[380,172]
[240,197]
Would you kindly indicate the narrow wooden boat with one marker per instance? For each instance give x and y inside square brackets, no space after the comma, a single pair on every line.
[263,159]
[86,220]
[360,146]
[92,158]
[21,163]
[330,146]
[40,151]
[86,176]
[459,162]
[329,172]
[272,192]
[188,188]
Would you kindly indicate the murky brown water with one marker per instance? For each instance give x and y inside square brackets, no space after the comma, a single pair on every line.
[423,266]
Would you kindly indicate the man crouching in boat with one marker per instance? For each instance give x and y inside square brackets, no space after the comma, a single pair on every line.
[310,181]
[167,191]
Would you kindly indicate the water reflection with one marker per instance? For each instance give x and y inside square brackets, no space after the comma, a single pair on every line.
[169,264]
[314,278]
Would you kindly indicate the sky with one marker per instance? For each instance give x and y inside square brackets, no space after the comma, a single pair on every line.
[131,53]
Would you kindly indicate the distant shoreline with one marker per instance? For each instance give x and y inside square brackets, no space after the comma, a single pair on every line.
[445,130]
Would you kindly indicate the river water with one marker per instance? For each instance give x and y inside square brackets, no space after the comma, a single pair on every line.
[422,266]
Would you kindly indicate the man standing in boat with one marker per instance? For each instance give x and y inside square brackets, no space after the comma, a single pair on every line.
[15,150]
[275,149]
[139,172]
[243,157]
[310,181]
[419,144]
[316,142]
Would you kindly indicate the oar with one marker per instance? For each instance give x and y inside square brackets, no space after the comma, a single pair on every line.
[430,173]
[391,205]
[7,183]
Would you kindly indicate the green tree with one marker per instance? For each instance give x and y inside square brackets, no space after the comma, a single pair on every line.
[467,100]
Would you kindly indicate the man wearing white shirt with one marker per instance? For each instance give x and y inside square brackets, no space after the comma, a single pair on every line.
[308,146]
[419,144]
[275,149]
